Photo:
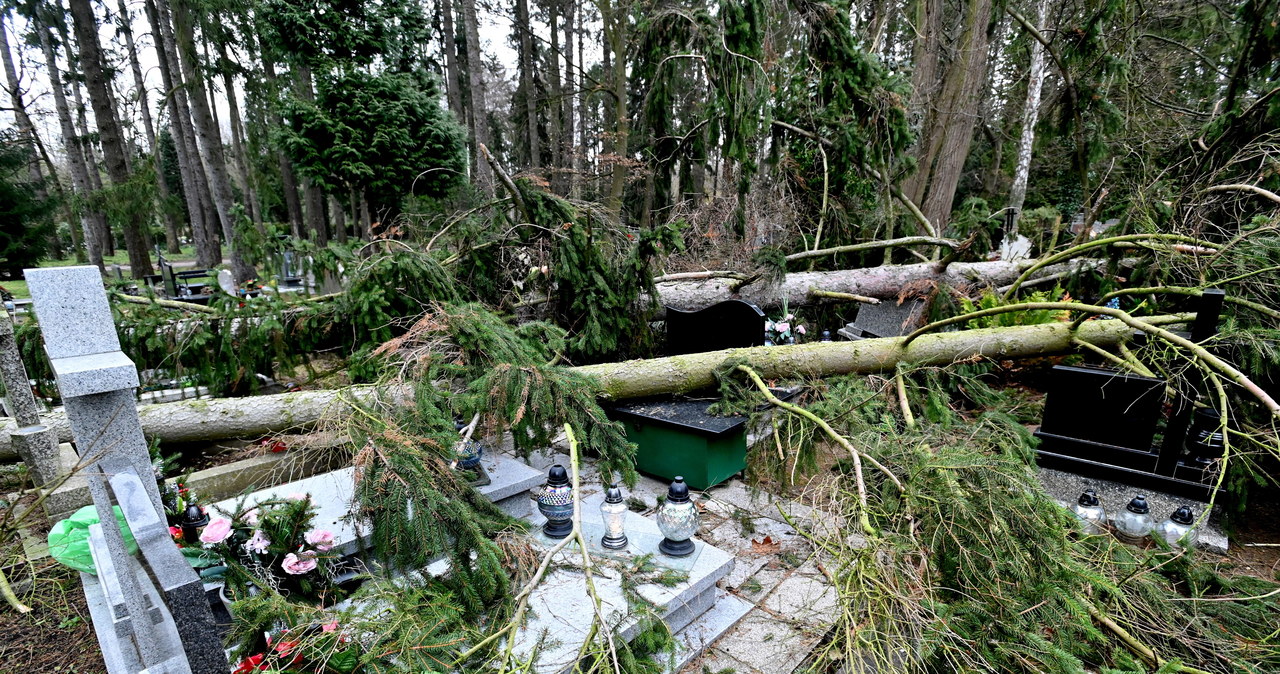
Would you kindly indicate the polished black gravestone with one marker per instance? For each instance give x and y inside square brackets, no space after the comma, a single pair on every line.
[725,325]
[1102,423]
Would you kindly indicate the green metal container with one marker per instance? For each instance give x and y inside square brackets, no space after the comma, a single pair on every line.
[678,437]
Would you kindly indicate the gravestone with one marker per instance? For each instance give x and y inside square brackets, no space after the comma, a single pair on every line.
[97,383]
[886,319]
[35,443]
[724,325]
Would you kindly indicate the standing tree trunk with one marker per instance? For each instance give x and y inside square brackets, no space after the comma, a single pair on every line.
[86,26]
[171,243]
[1030,116]
[482,174]
[950,130]
[339,219]
[288,179]
[75,160]
[106,241]
[237,137]
[554,123]
[449,45]
[207,134]
[567,96]
[614,22]
[312,195]
[190,169]
[524,30]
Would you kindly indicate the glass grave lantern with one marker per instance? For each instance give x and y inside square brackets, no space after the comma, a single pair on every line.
[677,520]
[194,520]
[614,513]
[1179,529]
[555,502]
[1093,518]
[1134,522]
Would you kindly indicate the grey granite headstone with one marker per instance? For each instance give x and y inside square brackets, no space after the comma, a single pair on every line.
[96,381]
[38,447]
[886,319]
[36,444]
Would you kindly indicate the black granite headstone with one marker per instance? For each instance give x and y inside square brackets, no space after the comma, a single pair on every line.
[726,325]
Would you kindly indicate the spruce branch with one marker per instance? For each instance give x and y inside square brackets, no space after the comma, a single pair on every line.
[1080,249]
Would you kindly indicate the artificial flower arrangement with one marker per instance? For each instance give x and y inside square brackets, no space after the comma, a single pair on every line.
[273,545]
[782,331]
[311,648]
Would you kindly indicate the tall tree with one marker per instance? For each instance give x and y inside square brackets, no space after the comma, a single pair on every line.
[207,133]
[1030,116]
[190,169]
[525,31]
[70,142]
[481,171]
[117,164]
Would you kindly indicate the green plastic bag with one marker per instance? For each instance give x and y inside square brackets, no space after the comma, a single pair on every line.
[69,539]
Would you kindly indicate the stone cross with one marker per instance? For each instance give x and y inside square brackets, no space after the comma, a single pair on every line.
[97,382]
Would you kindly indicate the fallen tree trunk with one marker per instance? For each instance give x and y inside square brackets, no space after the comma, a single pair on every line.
[206,420]
[883,282]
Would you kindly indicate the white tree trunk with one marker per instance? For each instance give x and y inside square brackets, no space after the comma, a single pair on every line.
[1030,115]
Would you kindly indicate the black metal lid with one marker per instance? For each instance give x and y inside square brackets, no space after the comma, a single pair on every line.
[679,491]
[1183,515]
[194,516]
[557,476]
[613,494]
[1138,505]
[1089,498]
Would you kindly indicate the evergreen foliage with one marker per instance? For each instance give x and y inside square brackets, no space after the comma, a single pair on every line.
[24,227]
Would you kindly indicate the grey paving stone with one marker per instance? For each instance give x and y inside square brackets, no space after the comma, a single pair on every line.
[716,661]
[807,600]
[766,643]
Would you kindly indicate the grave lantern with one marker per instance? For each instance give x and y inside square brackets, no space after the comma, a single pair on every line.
[614,513]
[555,502]
[1178,529]
[1134,523]
[1093,518]
[677,520]
[194,519]
[826,336]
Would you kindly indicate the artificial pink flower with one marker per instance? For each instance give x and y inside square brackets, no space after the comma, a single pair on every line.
[322,539]
[257,543]
[329,627]
[251,517]
[800,329]
[782,327]
[296,566]
[217,531]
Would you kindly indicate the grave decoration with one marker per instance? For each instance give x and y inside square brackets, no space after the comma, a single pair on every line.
[1102,423]
[274,545]
[555,502]
[1134,523]
[1179,529]
[1093,518]
[678,520]
[614,512]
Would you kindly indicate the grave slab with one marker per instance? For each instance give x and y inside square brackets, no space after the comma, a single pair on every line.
[693,640]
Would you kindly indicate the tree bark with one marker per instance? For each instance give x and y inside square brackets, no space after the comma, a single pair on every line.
[113,151]
[482,173]
[312,195]
[171,243]
[190,168]
[288,179]
[237,138]
[884,283]
[524,29]
[555,129]
[102,229]
[207,133]
[204,420]
[1030,116]
[567,96]
[449,45]
[80,183]
[614,24]
[957,109]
